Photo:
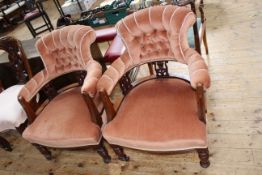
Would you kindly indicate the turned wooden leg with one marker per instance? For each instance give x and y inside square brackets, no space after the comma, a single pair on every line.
[120,153]
[44,151]
[205,41]
[5,144]
[102,151]
[203,155]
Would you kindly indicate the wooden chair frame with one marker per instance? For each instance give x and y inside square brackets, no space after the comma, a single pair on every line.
[201,34]
[19,63]
[160,72]
[50,90]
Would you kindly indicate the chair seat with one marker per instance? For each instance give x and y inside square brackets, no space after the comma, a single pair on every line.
[33,14]
[190,34]
[158,119]
[12,114]
[64,122]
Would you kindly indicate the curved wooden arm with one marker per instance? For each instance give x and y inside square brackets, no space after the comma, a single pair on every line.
[93,110]
[108,105]
[200,94]
[28,109]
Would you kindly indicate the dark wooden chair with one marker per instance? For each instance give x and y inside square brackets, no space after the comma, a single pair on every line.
[12,115]
[197,34]
[37,12]
[160,112]
[67,114]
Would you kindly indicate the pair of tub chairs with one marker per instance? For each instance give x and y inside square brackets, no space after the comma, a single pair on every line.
[160,112]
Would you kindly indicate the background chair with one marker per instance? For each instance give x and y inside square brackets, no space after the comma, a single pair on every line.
[161,112]
[12,115]
[66,117]
[37,11]
[196,34]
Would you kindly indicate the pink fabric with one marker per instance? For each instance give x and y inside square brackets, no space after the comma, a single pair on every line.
[152,34]
[62,51]
[64,122]
[158,115]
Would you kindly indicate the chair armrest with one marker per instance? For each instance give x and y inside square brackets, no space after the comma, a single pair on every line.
[32,87]
[94,72]
[112,75]
[198,70]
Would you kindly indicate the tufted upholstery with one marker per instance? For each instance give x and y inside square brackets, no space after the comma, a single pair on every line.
[66,120]
[156,33]
[63,51]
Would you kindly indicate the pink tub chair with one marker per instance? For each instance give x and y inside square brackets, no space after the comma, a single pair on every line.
[160,113]
[65,115]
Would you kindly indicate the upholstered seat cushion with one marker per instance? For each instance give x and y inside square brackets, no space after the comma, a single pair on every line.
[12,114]
[158,115]
[64,122]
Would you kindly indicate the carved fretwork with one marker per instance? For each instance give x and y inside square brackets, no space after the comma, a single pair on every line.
[80,77]
[17,58]
[50,90]
[161,68]
[125,84]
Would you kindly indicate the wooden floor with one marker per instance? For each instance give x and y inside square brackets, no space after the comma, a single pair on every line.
[234,111]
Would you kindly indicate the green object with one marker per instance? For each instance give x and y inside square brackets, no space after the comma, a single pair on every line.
[107,15]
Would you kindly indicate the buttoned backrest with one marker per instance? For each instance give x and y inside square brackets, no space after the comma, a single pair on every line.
[67,49]
[156,32]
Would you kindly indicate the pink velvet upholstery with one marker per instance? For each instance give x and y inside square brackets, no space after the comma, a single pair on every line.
[62,51]
[65,121]
[156,33]
[158,115]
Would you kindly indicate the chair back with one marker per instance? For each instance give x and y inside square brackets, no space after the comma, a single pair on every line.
[156,33]
[67,49]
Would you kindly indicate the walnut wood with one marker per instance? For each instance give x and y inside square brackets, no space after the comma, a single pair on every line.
[97,55]
[125,83]
[102,151]
[50,90]
[203,155]
[203,20]
[110,111]
[28,109]
[5,144]
[93,110]
[17,58]
[201,102]
[150,68]
[44,150]
[120,152]
[161,69]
